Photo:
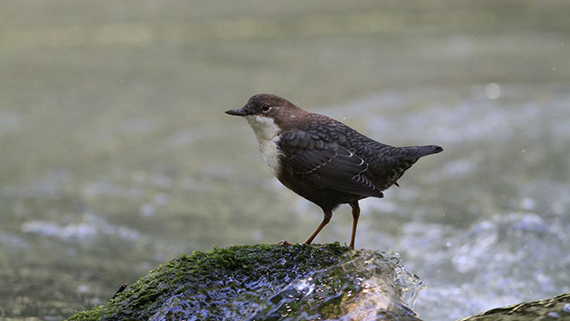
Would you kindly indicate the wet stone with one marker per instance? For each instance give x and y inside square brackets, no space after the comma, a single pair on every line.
[270,282]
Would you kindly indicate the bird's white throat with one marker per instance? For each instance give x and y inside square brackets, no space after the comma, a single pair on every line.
[267,134]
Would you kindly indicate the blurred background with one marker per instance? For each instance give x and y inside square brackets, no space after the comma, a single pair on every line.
[116,156]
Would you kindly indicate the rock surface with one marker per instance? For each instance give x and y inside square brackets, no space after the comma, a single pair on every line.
[281,282]
[269,282]
[555,308]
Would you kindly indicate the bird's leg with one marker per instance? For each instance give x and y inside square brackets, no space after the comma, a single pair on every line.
[355,216]
[326,220]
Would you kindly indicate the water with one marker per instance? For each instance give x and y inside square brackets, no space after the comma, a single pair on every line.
[367,285]
[116,154]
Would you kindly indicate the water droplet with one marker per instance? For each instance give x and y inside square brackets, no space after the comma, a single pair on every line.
[492,91]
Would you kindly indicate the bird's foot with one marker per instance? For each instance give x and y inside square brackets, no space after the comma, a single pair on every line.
[284,242]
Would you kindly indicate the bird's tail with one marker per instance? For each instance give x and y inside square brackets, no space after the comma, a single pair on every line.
[427,150]
[413,153]
[402,158]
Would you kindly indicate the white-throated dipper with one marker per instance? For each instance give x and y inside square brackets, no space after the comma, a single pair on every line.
[322,159]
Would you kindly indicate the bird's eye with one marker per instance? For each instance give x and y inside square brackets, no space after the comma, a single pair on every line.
[265,107]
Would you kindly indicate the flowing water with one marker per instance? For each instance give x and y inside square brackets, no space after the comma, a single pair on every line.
[116,154]
[363,285]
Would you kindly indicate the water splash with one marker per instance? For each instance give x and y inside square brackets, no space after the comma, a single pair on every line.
[366,285]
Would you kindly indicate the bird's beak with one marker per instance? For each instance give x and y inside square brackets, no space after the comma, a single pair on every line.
[237,112]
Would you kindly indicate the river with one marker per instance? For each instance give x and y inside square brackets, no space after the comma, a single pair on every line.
[116,154]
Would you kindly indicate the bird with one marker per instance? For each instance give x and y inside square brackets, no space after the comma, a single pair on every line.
[322,159]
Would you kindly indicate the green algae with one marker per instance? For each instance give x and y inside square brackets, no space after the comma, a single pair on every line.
[201,273]
[261,282]
[280,282]
[554,308]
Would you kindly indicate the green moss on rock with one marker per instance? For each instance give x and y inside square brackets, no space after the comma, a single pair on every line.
[279,282]
[216,276]
[554,308]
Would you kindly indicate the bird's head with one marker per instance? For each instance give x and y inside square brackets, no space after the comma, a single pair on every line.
[268,114]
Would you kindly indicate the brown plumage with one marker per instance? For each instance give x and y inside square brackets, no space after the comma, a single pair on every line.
[322,159]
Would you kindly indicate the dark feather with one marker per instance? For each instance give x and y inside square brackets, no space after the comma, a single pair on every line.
[326,164]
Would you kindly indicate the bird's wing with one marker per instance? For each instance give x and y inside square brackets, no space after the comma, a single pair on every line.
[325,164]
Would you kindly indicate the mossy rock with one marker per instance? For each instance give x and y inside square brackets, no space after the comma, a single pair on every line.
[268,282]
[554,308]
[281,282]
